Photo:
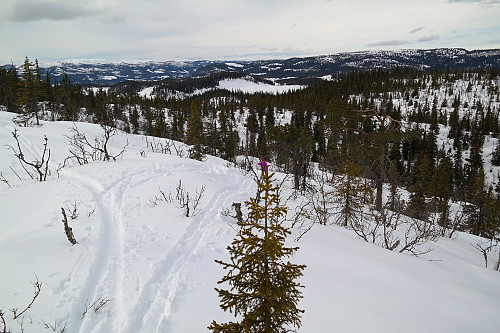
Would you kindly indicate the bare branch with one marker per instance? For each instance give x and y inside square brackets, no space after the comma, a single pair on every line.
[3,180]
[2,319]
[40,166]
[83,151]
[485,247]
[38,287]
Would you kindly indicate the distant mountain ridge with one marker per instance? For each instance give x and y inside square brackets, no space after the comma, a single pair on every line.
[292,70]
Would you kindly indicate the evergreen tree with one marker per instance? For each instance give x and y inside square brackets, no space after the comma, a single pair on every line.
[482,216]
[8,88]
[263,288]
[417,206]
[194,133]
[134,120]
[495,157]
[28,93]
[350,192]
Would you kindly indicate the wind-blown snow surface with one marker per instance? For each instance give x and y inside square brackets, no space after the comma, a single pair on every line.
[157,267]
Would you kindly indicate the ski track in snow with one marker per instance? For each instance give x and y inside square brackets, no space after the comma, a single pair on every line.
[108,257]
[157,295]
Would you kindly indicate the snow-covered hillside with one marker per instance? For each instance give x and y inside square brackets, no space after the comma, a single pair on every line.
[246,85]
[141,265]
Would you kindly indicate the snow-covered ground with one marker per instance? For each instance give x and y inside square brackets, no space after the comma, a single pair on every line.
[153,267]
[245,85]
[251,87]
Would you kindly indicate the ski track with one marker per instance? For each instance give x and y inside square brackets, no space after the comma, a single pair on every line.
[158,294]
[156,297]
[105,277]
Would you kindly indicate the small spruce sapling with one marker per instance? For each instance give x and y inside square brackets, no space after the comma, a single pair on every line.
[263,289]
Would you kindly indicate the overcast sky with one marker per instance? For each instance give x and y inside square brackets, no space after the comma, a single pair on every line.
[52,30]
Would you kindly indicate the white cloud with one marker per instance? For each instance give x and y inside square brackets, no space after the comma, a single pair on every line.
[216,29]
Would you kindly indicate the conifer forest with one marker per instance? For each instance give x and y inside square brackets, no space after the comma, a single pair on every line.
[430,133]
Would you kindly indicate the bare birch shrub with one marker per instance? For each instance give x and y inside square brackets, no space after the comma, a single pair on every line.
[19,315]
[83,150]
[39,167]
[4,180]
[396,232]
[487,246]
[189,203]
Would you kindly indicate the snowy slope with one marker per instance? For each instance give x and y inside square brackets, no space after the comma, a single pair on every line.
[156,268]
[251,87]
[245,85]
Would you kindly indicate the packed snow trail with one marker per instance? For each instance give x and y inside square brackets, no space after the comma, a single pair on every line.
[154,297]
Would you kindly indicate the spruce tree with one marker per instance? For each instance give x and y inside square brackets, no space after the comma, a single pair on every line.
[495,156]
[349,194]
[263,288]
[194,133]
[28,92]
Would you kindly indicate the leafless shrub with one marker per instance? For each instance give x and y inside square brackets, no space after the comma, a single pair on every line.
[166,146]
[96,306]
[190,205]
[3,179]
[369,231]
[17,315]
[179,151]
[157,146]
[416,234]
[449,228]
[396,232]
[485,247]
[39,166]
[54,326]
[91,211]
[162,196]
[21,324]
[67,229]
[25,119]
[38,287]
[100,303]
[2,319]
[316,207]
[186,201]
[83,150]
[79,152]
[243,163]
[73,210]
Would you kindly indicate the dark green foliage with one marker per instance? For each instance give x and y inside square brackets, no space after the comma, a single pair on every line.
[350,193]
[194,133]
[263,289]
[495,157]
[482,210]
[29,92]
[8,88]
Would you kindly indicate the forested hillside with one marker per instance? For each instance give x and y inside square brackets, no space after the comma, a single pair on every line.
[433,134]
